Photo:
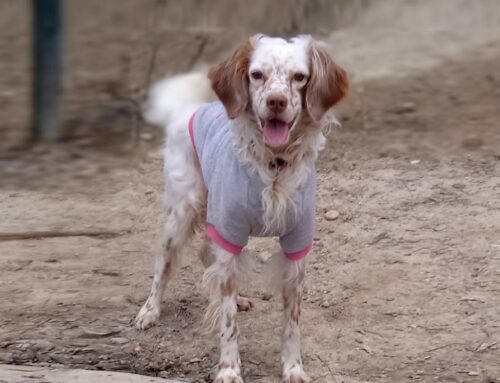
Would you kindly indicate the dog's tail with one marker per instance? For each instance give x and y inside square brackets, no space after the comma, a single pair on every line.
[173,95]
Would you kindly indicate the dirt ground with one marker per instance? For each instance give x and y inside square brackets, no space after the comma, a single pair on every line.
[404,285]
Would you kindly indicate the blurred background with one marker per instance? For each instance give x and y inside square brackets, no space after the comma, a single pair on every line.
[113,50]
[404,285]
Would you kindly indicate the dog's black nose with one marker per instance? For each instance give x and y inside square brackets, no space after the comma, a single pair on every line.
[277,103]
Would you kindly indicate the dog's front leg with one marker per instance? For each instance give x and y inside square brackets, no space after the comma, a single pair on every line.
[293,284]
[225,267]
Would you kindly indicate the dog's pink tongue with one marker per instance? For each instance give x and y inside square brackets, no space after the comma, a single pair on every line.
[275,132]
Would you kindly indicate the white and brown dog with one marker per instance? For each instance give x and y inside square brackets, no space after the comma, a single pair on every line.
[245,166]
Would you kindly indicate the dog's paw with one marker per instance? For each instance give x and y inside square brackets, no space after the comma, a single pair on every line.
[294,374]
[148,316]
[244,304]
[228,375]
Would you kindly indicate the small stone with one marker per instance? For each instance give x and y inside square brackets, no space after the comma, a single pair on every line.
[459,186]
[42,345]
[404,108]
[146,136]
[472,143]
[440,228]
[325,304]
[267,296]
[119,340]
[137,349]
[331,215]
[6,358]
[414,162]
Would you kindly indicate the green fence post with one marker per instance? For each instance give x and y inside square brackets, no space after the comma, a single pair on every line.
[47,68]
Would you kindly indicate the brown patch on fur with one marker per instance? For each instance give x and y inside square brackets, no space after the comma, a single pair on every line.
[168,269]
[224,365]
[286,302]
[228,288]
[168,244]
[327,85]
[230,82]
[206,255]
[296,311]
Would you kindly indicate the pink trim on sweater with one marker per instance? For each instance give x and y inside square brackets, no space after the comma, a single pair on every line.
[190,130]
[191,136]
[299,254]
[214,235]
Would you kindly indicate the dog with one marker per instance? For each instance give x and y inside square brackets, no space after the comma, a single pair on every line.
[244,165]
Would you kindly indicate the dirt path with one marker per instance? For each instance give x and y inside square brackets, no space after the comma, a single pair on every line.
[404,285]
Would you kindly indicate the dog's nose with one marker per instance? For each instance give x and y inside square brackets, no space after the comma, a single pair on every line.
[277,102]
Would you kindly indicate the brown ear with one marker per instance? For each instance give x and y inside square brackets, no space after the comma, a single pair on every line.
[328,83]
[229,80]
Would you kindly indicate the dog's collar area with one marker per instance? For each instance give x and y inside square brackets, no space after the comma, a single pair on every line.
[278,163]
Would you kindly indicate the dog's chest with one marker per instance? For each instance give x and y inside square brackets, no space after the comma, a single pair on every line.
[239,203]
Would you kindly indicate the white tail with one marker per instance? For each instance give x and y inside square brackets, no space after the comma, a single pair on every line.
[170,96]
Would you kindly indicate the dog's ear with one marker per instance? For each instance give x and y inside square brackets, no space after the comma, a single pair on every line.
[230,82]
[328,83]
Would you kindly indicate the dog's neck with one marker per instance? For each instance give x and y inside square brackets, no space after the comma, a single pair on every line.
[271,165]
[280,183]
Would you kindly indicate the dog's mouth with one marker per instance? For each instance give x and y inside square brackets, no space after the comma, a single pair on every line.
[276,131]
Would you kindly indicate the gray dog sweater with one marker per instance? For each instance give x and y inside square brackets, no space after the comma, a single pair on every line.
[234,209]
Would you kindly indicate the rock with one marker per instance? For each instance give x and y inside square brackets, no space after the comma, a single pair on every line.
[325,304]
[472,143]
[379,237]
[6,357]
[331,215]
[42,345]
[119,340]
[404,108]
[137,349]
[414,162]
[146,136]
[267,296]
[98,333]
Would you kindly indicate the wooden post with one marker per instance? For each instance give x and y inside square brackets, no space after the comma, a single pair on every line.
[47,65]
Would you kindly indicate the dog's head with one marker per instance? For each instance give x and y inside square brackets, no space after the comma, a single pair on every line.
[283,83]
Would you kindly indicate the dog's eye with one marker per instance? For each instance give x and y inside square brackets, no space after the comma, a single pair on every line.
[257,75]
[299,77]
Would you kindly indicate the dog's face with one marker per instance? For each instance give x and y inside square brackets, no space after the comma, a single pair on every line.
[281,82]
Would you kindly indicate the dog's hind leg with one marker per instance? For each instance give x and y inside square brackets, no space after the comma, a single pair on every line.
[178,231]
[185,201]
